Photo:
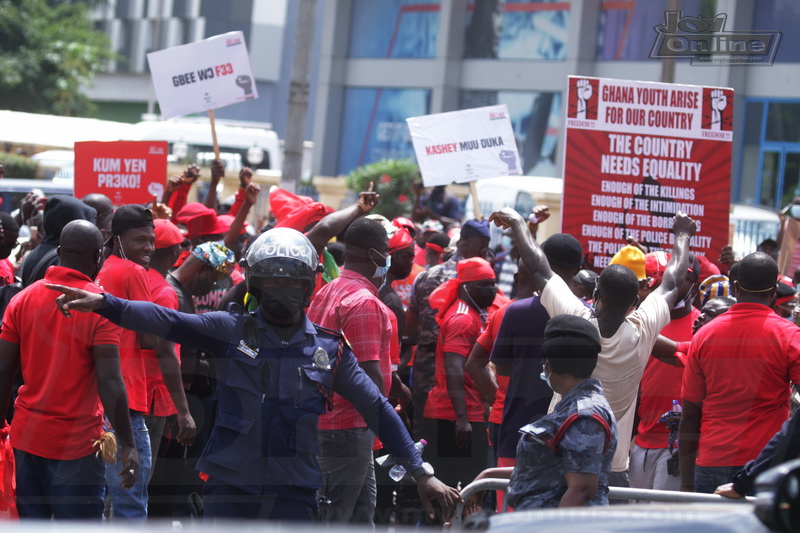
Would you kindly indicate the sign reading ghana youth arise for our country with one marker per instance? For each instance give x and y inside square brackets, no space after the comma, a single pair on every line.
[638,152]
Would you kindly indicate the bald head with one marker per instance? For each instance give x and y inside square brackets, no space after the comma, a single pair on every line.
[80,237]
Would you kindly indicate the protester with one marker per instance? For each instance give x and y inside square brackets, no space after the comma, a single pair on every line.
[736,382]
[70,368]
[277,371]
[654,462]
[421,326]
[58,212]
[9,233]
[350,304]
[454,421]
[627,336]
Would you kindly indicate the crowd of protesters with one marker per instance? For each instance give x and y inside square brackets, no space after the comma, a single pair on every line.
[271,366]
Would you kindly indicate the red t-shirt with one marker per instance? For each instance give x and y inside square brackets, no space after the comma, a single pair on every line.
[350,304]
[126,279]
[58,412]
[403,287]
[486,340]
[739,368]
[661,383]
[6,272]
[458,332]
[161,403]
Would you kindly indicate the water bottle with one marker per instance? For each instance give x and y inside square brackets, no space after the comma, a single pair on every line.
[676,406]
[398,471]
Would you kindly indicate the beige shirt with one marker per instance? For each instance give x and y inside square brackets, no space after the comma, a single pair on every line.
[622,358]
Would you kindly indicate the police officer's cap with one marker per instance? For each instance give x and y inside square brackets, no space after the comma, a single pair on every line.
[282,252]
[574,327]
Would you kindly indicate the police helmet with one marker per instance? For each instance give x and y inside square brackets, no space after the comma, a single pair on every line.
[282,253]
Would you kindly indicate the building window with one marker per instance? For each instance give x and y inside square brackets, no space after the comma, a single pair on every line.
[394,28]
[516,29]
[374,125]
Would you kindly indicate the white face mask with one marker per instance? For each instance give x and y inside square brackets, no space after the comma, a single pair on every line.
[544,377]
[381,271]
[794,211]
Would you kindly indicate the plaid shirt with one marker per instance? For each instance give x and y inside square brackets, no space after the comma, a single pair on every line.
[350,304]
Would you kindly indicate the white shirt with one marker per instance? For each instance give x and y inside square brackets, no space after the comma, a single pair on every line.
[622,358]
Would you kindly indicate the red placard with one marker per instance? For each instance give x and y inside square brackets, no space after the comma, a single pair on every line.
[638,152]
[128,172]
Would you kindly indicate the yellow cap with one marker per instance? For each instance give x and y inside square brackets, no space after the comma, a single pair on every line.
[633,258]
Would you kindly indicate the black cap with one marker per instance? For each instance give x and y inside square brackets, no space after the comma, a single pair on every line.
[130,216]
[587,278]
[563,250]
[574,327]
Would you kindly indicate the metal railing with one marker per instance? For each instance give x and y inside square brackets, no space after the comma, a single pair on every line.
[614,493]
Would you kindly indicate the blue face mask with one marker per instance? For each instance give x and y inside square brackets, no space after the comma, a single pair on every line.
[381,271]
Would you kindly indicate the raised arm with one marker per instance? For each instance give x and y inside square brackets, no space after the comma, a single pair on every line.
[683,227]
[333,224]
[529,250]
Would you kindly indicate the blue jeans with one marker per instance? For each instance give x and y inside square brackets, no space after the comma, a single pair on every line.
[348,475]
[131,504]
[708,478]
[52,488]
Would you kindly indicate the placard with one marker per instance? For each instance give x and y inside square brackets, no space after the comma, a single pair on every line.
[128,172]
[638,152]
[464,146]
[203,75]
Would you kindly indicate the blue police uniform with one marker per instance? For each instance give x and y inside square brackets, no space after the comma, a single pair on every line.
[270,394]
[549,449]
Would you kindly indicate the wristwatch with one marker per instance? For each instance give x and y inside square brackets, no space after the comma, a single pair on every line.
[425,470]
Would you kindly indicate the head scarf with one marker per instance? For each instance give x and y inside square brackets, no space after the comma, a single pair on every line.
[472,269]
[217,256]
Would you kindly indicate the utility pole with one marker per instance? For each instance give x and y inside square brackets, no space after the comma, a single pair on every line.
[298,97]
[668,63]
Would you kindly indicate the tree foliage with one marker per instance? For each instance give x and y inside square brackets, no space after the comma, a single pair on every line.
[48,50]
[393,179]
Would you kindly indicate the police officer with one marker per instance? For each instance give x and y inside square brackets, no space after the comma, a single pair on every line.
[276,372]
[564,458]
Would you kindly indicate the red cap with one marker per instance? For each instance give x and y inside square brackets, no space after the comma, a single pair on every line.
[655,263]
[293,211]
[200,220]
[228,221]
[167,234]
[403,222]
[400,240]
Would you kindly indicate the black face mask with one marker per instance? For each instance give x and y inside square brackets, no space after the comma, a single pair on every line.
[283,302]
[483,297]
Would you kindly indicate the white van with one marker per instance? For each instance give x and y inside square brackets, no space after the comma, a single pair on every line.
[522,193]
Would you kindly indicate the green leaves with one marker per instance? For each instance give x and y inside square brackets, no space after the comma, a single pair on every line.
[393,179]
[48,50]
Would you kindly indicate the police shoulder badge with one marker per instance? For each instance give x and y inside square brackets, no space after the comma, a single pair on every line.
[321,359]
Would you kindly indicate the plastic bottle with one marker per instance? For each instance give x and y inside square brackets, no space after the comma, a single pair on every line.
[676,406]
[398,471]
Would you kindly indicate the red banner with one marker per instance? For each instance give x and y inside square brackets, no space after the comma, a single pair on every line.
[128,172]
[636,153]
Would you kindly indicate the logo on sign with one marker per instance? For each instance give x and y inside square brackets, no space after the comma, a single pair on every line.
[497,115]
[704,40]
[156,150]
[232,41]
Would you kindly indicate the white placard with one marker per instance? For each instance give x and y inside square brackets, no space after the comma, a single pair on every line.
[203,75]
[463,146]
